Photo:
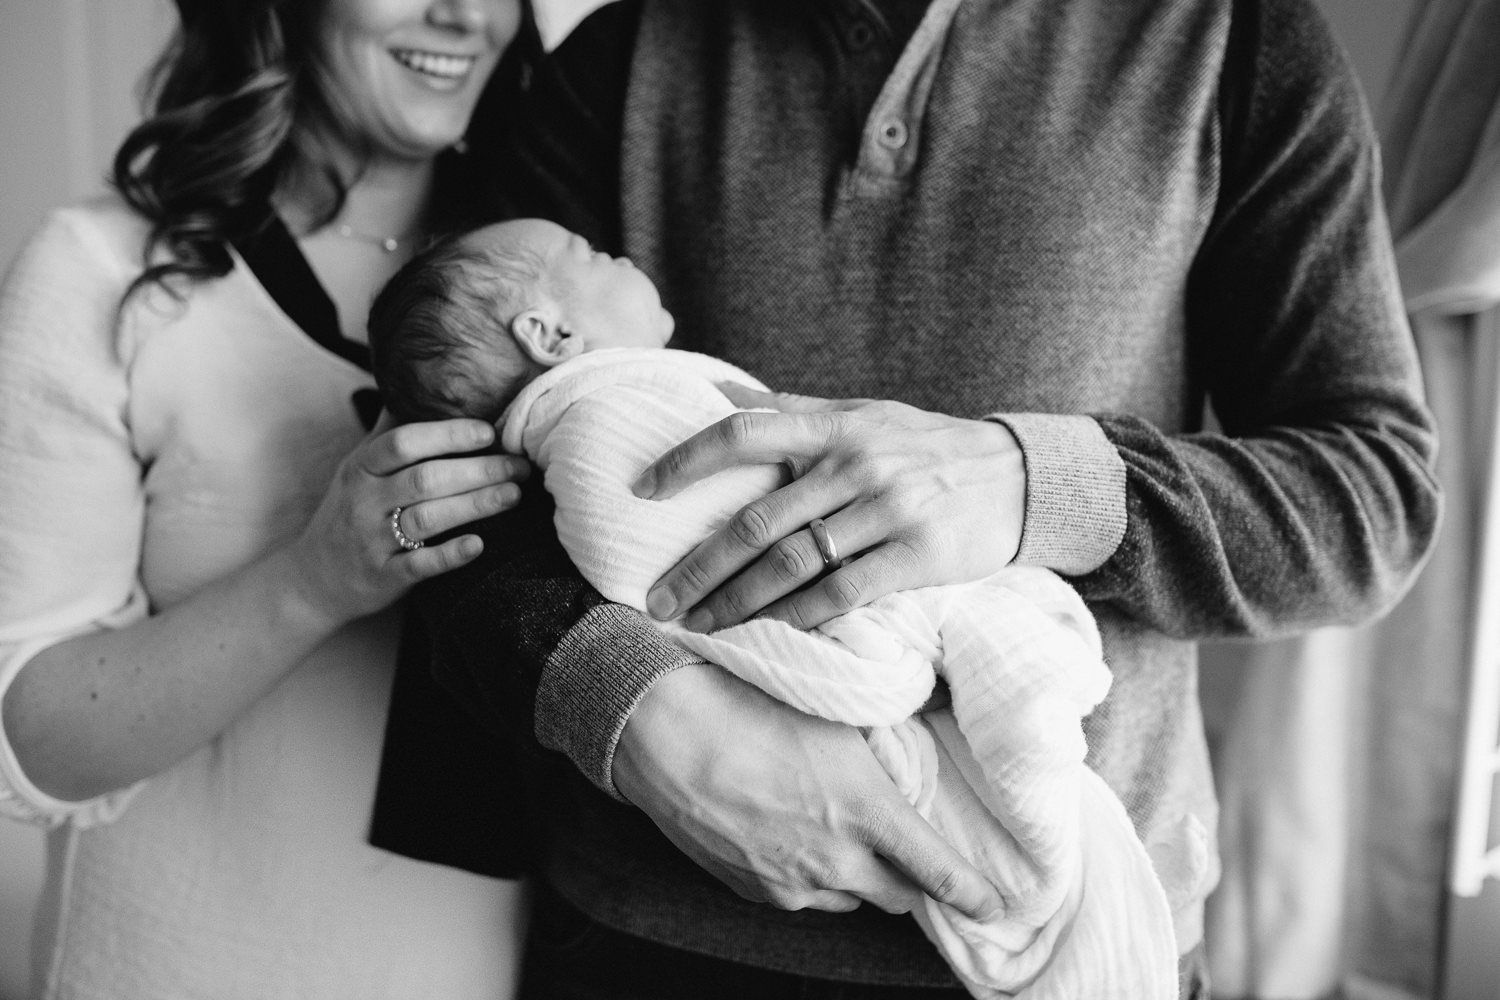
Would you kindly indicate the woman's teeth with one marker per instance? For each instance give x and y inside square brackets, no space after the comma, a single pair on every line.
[433,64]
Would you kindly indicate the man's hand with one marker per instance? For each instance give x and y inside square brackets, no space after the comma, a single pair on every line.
[909,499]
[782,807]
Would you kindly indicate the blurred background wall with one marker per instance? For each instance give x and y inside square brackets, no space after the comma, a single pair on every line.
[68,73]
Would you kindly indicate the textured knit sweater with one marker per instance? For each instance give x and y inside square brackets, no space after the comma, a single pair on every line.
[145,452]
[1086,217]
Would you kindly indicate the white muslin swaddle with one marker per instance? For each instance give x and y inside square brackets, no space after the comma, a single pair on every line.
[1000,774]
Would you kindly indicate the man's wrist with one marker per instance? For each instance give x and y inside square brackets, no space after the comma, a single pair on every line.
[593,682]
[1075,491]
[671,704]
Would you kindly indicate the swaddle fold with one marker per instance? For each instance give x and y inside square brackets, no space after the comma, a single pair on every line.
[1000,774]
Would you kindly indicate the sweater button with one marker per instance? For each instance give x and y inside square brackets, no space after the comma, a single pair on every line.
[861,36]
[892,134]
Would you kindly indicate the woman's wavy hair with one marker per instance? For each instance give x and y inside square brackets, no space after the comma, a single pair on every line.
[227,96]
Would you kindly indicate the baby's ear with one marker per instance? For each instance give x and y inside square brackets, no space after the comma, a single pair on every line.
[541,334]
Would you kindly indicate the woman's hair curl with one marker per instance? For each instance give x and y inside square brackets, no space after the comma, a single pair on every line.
[227,96]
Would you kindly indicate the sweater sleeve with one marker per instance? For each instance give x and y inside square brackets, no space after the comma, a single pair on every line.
[1316,502]
[71,497]
[527,645]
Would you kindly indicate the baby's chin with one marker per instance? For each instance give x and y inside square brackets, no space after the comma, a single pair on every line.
[668,325]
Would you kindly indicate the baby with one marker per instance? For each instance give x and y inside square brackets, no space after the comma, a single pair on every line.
[525,324]
[474,318]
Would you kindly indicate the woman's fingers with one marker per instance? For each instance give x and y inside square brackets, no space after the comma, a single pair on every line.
[372,534]
[434,482]
[451,477]
[388,453]
[384,421]
[432,560]
[447,494]
[428,518]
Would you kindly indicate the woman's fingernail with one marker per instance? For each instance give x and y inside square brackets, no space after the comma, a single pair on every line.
[661,604]
[645,487]
[699,621]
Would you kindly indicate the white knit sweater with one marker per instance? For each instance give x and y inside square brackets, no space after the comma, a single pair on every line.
[137,461]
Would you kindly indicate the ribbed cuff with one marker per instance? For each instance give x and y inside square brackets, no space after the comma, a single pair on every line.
[592,682]
[1075,491]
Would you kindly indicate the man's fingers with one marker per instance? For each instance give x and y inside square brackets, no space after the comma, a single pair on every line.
[786,402]
[883,570]
[914,848]
[738,439]
[792,563]
[829,900]
[774,522]
[888,889]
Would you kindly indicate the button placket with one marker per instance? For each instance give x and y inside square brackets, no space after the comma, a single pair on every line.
[860,35]
[888,146]
[893,134]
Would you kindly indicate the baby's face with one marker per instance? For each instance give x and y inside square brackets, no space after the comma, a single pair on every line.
[605,300]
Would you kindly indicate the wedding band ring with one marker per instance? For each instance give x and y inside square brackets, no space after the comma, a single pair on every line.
[404,540]
[824,541]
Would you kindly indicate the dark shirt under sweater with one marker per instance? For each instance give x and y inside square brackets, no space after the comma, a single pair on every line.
[1081,223]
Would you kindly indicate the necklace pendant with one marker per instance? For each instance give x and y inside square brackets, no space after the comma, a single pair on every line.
[390,244]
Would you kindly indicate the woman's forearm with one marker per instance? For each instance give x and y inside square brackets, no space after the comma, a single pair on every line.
[100,712]
[103,711]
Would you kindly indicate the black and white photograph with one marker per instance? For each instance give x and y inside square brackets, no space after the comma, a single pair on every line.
[750,500]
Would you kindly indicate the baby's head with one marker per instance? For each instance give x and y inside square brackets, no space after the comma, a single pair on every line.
[470,320]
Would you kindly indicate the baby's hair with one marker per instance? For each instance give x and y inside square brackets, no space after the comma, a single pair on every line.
[440,342]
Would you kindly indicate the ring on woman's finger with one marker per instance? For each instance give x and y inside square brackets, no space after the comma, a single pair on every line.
[404,540]
[824,541]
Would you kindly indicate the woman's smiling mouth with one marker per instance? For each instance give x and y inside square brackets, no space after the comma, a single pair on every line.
[434,64]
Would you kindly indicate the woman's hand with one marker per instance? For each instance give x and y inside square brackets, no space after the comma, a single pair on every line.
[104,710]
[420,478]
[909,498]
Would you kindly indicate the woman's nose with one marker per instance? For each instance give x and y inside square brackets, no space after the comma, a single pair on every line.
[461,15]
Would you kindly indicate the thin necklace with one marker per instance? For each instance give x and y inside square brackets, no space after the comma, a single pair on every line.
[390,244]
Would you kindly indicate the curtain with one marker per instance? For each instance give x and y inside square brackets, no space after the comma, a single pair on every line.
[1337,753]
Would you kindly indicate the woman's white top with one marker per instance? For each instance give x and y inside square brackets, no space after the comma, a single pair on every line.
[140,459]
